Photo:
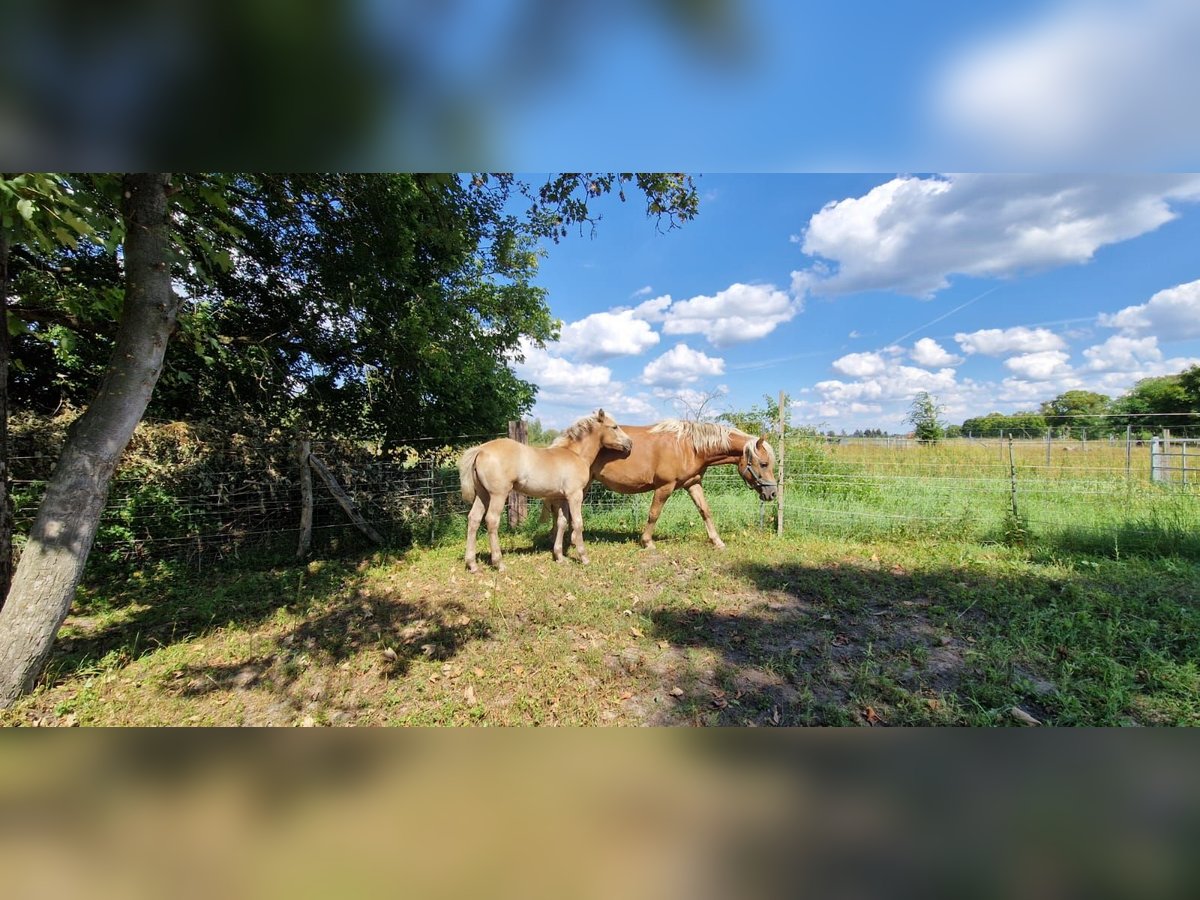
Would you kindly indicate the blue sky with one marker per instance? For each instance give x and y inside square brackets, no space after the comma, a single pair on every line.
[852,292]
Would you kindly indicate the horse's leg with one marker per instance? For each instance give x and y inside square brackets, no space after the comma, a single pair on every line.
[474,517]
[576,504]
[697,494]
[494,509]
[656,505]
[560,526]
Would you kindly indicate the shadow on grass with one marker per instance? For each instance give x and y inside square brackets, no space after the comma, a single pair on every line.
[846,644]
[118,618]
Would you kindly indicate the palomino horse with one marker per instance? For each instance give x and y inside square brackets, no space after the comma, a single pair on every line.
[560,472]
[674,454]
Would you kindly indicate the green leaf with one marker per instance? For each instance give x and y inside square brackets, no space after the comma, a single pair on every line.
[25,208]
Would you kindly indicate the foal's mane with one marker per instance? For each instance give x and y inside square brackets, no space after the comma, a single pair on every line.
[576,431]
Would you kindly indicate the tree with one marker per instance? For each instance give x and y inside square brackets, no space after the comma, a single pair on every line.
[52,563]
[1078,410]
[925,417]
[1154,403]
[184,232]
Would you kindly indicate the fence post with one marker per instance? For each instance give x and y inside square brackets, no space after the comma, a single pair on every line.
[779,475]
[1128,452]
[303,452]
[1155,465]
[518,504]
[1183,461]
[1048,439]
[1012,475]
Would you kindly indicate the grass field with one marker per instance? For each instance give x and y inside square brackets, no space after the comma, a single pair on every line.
[775,631]
[903,591]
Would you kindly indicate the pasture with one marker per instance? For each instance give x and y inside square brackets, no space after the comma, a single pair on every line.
[903,591]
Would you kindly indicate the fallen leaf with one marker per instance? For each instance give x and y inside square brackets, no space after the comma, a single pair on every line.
[389,654]
[933,703]
[871,716]
[625,695]
[308,722]
[676,692]
[518,670]
[663,645]
[478,672]
[636,632]
[469,693]
[775,716]
[825,617]
[840,640]
[1023,717]
[463,620]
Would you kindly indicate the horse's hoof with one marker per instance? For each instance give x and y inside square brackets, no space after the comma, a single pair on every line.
[500,567]
[472,568]
[559,559]
[720,545]
[583,560]
[648,545]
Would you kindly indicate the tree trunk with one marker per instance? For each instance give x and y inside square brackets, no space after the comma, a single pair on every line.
[6,512]
[52,562]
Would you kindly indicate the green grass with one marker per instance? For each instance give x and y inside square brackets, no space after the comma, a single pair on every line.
[815,627]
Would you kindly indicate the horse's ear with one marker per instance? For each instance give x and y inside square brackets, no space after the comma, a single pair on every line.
[600,413]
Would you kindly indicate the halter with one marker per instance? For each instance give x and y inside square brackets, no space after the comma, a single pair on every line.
[758,480]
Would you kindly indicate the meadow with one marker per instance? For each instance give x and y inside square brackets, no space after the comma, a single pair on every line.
[902,591]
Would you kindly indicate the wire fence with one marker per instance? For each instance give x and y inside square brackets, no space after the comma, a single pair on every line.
[203,495]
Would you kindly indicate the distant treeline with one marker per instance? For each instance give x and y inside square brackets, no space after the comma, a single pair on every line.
[1168,401]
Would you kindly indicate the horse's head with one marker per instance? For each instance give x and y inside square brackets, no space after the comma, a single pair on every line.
[611,435]
[757,468]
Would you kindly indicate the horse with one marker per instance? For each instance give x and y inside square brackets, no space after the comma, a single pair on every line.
[558,473]
[674,454]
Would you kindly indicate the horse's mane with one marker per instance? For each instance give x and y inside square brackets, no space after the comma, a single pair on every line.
[576,431]
[706,437]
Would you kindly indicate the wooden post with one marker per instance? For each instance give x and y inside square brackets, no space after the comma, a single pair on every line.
[303,453]
[343,499]
[1012,474]
[1048,439]
[1128,451]
[779,474]
[518,504]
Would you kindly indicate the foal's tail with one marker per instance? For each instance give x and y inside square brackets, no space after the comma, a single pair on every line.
[466,473]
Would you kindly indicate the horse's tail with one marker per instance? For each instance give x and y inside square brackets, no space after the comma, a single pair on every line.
[545,516]
[466,473]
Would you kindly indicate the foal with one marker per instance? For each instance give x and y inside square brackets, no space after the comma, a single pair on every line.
[560,472]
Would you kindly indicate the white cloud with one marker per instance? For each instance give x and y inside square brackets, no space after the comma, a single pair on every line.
[896,382]
[607,334]
[860,365]
[929,353]
[643,292]
[1122,354]
[1172,314]
[1039,366]
[1101,81]
[998,341]
[741,312]
[681,365]
[653,310]
[560,380]
[910,235]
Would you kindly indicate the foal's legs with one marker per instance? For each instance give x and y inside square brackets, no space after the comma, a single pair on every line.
[697,492]
[473,520]
[560,526]
[576,503]
[494,508]
[656,505]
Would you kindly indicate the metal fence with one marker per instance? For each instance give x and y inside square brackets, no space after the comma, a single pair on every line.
[1109,494]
